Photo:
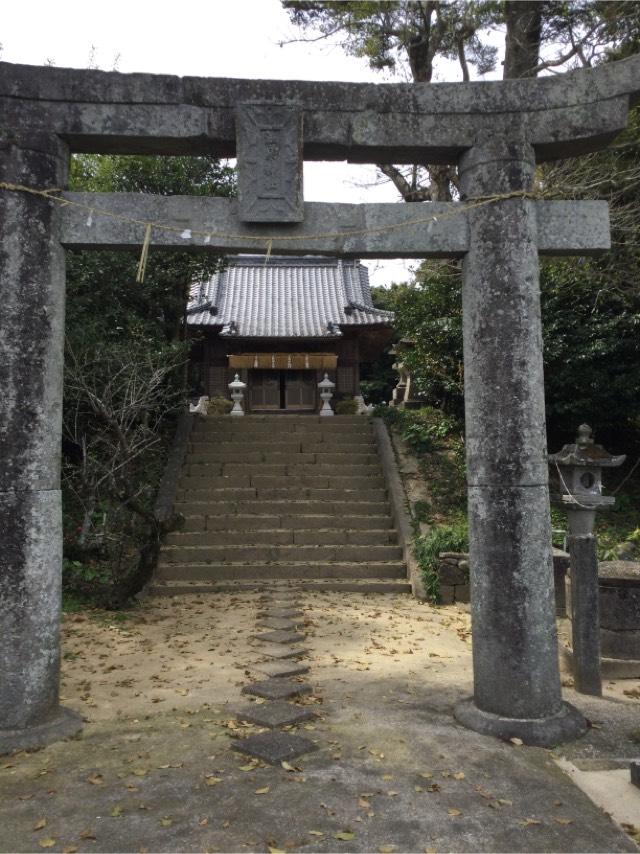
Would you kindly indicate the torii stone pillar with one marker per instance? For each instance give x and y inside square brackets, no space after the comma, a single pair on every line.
[31,360]
[516,673]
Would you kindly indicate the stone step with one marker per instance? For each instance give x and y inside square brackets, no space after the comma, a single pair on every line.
[276,442]
[245,522]
[256,570]
[282,536]
[291,493]
[304,507]
[260,481]
[293,469]
[232,435]
[251,423]
[288,553]
[313,586]
[213,457]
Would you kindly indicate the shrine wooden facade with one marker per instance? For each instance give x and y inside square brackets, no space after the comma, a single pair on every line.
[281,325]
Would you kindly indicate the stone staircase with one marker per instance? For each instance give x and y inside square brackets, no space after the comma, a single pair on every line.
[294,500]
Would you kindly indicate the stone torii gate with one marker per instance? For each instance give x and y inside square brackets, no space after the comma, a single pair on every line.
[495,131]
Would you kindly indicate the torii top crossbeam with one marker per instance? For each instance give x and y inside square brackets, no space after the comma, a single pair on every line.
[108,112]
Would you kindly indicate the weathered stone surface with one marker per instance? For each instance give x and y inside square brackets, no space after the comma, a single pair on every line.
[634,769]
[274,747]
[451,574]
[585,614]
[277,689]
[269,152]
[282,613]
[275,714]
[446,594]
[152,114]
[279,636]
[281,623]
[280,651]
[619,583]
[31,345]
[513,608]
[564,228]
[277,669]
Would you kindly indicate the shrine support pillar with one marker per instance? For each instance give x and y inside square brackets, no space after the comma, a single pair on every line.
[31,365]
[517,689]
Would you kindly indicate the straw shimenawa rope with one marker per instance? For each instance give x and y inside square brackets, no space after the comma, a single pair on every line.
[207,234]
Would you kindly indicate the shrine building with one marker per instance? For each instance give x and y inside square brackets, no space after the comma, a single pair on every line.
[281,324]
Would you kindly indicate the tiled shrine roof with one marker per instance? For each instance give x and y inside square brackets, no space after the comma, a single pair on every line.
[305,297]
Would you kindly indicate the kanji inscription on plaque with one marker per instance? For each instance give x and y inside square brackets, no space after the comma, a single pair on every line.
[269,151]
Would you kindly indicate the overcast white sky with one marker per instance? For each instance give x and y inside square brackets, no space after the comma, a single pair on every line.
[210,38]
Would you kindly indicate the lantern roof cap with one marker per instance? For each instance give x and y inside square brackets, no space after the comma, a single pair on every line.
[585,452]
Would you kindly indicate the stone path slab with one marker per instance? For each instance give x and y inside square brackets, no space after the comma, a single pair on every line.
[279,636]
[277,623]
[277,669]
[280,651]
[284,613]
[275,747]
[275,714]
[277,689]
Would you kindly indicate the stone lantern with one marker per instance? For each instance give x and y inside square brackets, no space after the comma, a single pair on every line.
[326,393]
[237,395]
[579,468]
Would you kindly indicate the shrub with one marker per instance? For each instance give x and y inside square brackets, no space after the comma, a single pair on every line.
[219,406]
[443,538]
[348,406]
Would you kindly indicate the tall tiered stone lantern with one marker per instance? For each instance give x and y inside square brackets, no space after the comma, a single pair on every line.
[326,393]
[237,395]
[579,468]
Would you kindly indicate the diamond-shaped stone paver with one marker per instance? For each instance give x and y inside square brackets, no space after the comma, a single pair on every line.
[277,689]
[274,747]
[277,623]
[275,714]
[274,650]
[281,668]
[279,636]
[282,613]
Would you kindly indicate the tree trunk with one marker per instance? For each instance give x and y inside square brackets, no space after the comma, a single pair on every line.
[524,31]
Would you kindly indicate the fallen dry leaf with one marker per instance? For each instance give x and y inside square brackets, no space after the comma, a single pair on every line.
[517,741]
[344,835]
[166,821]
[47,842]
[212,781]
[454,811]
[529,821]
[40,824]
[262,791]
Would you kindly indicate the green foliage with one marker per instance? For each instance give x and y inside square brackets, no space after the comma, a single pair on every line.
[443,538]
[436,440]
[388,34]
[347,406]
[125,377]
[103,298]
[219,406]
[428,315]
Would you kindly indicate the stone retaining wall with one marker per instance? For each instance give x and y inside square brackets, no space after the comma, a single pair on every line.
[453,577]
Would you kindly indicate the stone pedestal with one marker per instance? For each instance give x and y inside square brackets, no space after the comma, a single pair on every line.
[31,363]
[516,674]
[619,607]
[585,614]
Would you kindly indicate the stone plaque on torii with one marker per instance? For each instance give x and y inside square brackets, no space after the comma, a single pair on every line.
[494,131]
